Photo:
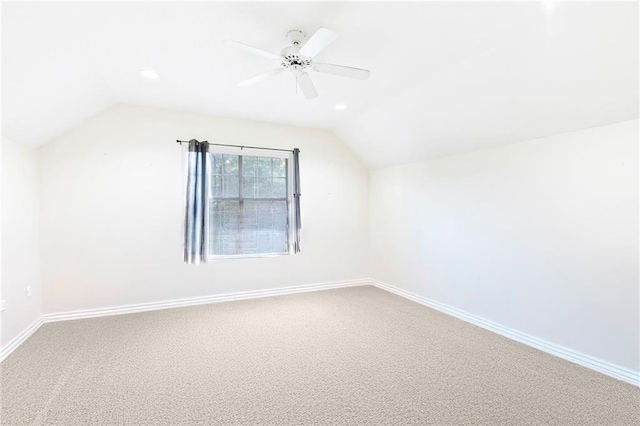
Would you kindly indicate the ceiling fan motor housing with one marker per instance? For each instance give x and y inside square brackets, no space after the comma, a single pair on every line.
[293,61]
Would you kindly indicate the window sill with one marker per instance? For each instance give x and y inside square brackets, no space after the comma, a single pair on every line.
[245,256]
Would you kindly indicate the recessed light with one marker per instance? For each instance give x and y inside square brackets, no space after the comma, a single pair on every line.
[150,74]
[340,107]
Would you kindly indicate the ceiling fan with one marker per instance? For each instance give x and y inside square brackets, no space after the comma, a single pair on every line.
[298,59]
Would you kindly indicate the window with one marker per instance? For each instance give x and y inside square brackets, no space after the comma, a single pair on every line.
[249,203]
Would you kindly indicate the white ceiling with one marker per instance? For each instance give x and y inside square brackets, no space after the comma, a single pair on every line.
[447,77]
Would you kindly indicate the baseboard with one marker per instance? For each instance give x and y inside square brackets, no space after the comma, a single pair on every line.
[587,361]
[177,303]
[601,366]
[167,304]
[19,339]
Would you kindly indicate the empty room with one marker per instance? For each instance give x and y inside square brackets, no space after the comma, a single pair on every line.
[320,213]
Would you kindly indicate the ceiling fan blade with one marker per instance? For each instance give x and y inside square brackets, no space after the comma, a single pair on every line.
[306,85]
[318,41]
[343,71]
[251,49]
[257,78]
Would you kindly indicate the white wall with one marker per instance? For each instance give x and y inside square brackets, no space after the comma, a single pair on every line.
[112,211]
[20,245]
[539,236]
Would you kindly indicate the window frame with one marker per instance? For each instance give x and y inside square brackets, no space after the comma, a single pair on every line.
[252,152]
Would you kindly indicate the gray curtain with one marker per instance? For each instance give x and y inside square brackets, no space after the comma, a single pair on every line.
[197,205]
[296,201]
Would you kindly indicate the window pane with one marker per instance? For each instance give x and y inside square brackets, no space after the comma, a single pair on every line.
[248,186]
[271,225]
[279,188]
[224,176]
[263,188]
[224,223]
[264,166]
[249,165]
[224,186]
[280,167]
[248,243]
[230,186]
[216,163]
[230,164]
[280,215]
[216,186]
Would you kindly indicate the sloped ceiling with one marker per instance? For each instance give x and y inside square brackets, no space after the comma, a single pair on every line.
[447,77]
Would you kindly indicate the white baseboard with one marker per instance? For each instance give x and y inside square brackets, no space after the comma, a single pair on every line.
[177,303]
[604,367]
[19,339]
[192,301]
[590,362]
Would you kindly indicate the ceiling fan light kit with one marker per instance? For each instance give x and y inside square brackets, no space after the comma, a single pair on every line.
[298,59]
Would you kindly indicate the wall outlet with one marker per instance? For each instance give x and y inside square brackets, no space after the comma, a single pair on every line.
[3,303]
[28,291]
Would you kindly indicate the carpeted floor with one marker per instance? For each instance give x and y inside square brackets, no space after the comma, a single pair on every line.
[351,356]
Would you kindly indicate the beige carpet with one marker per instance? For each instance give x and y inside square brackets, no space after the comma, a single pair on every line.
[352,356]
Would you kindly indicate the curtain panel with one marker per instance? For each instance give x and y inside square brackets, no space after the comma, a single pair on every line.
[197,203]
[297,225]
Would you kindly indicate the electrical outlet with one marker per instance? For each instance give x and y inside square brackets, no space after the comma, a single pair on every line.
[3,303]
[28,291]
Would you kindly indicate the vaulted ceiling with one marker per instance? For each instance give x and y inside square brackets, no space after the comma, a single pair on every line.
[447,77]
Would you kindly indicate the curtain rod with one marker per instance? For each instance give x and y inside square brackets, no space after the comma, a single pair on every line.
[237,146]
